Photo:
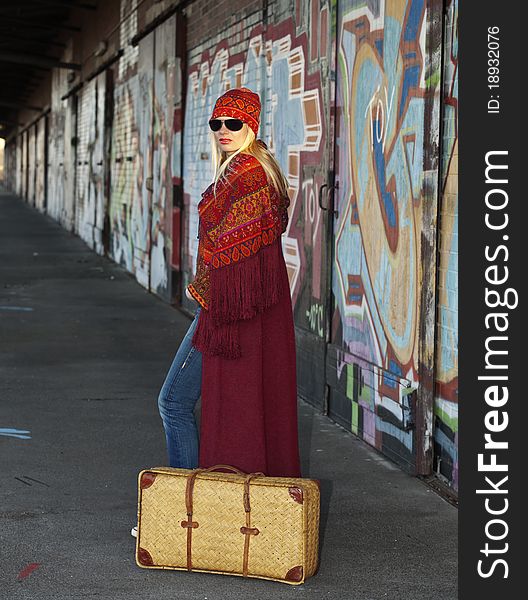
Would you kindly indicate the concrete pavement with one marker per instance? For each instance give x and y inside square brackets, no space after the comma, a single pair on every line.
[84,350]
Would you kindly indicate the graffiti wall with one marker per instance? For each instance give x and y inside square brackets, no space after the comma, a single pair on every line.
[163,139]
[8,163]
[67,212]
[56,141]
[40,164]
[62,144]
[19,164]
[31,164]
[382,83]
[446,397]
[123,154]
[90,202]
[142,143]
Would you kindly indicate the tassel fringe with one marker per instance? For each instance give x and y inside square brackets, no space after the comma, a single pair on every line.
[216,341]
[237,292]
[242,290]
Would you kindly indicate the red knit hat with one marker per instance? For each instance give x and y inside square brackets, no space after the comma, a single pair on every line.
[239,103]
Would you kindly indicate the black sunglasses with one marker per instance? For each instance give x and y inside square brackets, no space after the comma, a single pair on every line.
[231,124]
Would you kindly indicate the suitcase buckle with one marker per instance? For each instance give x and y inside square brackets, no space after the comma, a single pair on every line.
[249,530]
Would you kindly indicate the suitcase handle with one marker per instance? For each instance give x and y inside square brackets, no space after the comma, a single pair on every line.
[234,469]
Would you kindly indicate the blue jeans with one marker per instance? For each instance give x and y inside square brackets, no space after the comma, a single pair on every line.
[177,400]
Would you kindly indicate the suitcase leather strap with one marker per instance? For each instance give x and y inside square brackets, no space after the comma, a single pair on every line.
[190,524]
[247,530]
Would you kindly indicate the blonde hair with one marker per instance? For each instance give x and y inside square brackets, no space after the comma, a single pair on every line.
[256,148]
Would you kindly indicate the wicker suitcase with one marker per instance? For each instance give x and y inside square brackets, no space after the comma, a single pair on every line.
[233,523]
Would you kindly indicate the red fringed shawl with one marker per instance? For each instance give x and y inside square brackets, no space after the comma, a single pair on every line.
[245,330]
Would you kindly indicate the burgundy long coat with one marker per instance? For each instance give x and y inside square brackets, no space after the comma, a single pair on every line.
[245,329]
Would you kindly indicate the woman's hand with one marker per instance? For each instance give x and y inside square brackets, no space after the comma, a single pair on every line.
[189,295]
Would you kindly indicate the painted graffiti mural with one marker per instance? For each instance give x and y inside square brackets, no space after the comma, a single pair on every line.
[40,164]
[90,200]
[376,280]
[56,140]
[61,167]
[31,166]
[127,215]
[162,168]
[142,142]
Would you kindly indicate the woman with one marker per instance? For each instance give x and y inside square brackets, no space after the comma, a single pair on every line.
[239,352]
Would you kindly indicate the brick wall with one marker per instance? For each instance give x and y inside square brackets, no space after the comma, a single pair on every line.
[446,389]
